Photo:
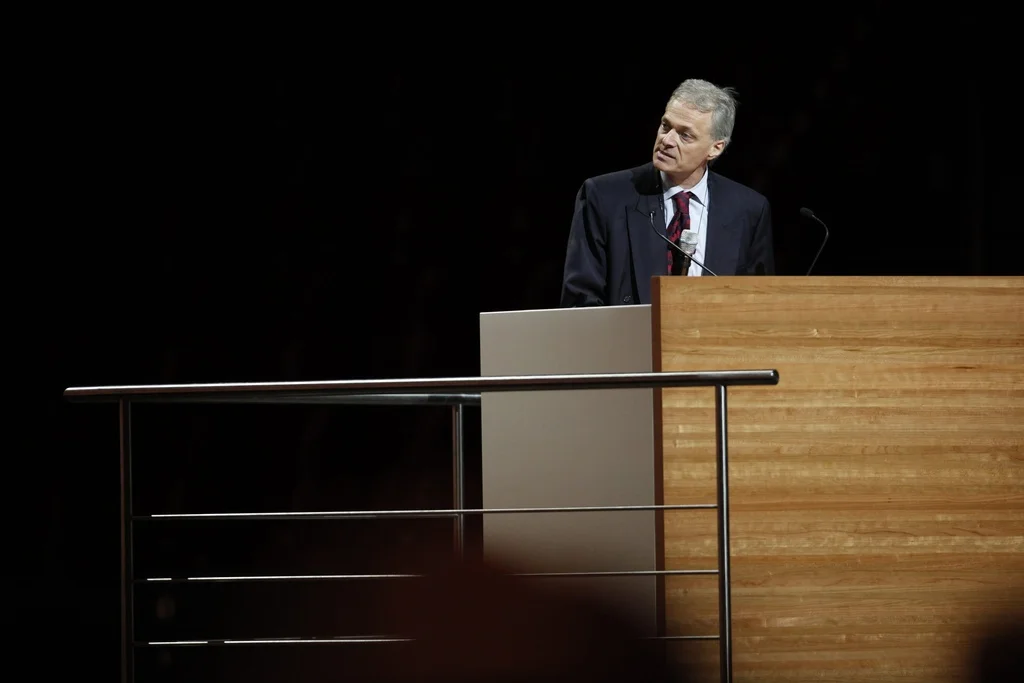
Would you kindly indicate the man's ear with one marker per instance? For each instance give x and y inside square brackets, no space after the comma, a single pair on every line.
[716,150]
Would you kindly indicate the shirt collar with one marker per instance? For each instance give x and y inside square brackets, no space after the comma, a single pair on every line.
[700,190]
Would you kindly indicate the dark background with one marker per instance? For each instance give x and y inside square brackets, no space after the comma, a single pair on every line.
[238,207]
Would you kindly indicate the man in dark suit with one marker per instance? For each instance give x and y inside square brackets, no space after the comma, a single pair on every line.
[615,241]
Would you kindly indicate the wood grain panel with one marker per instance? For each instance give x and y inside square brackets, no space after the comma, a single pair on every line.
[877,493]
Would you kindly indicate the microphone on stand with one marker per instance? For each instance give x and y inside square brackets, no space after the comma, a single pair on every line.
[688,247]
[807,213]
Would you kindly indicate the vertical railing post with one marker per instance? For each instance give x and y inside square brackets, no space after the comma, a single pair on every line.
[127,606]
[724,582]
[458,461]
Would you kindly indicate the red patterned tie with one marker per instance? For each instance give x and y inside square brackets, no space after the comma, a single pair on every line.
[680,222]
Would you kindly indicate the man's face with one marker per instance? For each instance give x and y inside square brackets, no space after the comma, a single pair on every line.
[684,143]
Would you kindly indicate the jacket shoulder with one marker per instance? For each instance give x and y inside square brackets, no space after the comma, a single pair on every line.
[627,181]
[738,191]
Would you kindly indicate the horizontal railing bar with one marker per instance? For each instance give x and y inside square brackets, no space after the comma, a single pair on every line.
[709,637]
[625,572]
[281,577]
[333,641]
[317,399]
[264,391]
[273,641]
[359,399]
[365,577]
[377,514]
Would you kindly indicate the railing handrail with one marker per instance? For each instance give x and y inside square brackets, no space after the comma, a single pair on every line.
[411,514]
[437,399]
[243,392]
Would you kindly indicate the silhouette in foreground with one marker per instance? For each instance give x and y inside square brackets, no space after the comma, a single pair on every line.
[474,622]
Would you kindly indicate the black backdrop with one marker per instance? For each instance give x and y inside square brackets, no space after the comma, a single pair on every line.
[231,209]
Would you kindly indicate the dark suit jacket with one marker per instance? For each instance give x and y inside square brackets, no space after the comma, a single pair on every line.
[613,251]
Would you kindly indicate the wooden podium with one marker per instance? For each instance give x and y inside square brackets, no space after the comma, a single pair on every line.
[876,494]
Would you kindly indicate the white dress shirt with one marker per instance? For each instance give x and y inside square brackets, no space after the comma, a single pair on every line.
[699,205]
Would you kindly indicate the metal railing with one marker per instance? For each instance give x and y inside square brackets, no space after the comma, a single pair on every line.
[454,392]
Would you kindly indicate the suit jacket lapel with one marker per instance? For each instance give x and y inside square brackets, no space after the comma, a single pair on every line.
[723,241]
[647,250]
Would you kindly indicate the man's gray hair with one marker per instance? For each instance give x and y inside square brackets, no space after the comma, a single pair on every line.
[708,97]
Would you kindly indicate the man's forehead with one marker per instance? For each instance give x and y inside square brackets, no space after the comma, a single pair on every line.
[682,114]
